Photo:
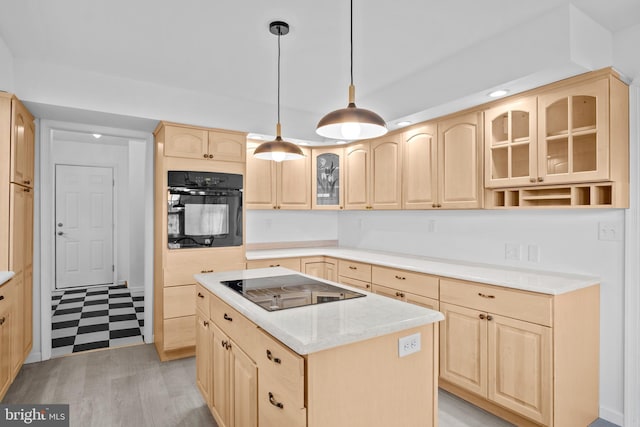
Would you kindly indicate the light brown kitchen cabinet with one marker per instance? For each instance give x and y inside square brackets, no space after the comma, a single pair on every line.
[183,147]
[373,174]
[203,356]
[290,263]
[277,185]
[22,145]
[420,167]
[511,143]
[527,357]
[321,267]
[202,143]
[407,286]
[327,178]
[460,162]
[6,336]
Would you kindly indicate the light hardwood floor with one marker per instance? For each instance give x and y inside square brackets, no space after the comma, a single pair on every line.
[129,386]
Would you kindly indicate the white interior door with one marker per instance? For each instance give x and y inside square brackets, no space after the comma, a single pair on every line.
[84,226]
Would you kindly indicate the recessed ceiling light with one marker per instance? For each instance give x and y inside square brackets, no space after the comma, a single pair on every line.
[404,123]
[254,136]
[497,93]
[341,142]
[97,135]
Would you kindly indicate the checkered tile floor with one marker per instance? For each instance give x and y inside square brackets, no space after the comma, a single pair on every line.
[97,317]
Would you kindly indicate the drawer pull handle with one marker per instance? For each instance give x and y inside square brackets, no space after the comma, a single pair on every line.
[489,318]
[351,267]
[200,295]
[480,294]
[205,323]
[368,286]
[207,271]
[223,344]
[273,359]
[400,294]
[482,316]
[400,277]
[226,317]
[274,265]
[2,321]
[274,402]
[1,297]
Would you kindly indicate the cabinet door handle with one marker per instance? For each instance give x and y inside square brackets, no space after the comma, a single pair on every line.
[274,265]
[226,317]
[401,278]
[27,190]
[2,321]
[274,402]
[211,156]
[205,323]
[200,295]
[223,344]
[482,316]
[532,180]
[489,318]
[480,294]
[400,294]
[540,179]
[205,156]
[27,181]
[351,267]
[273,359]
[1,297]
[368,286]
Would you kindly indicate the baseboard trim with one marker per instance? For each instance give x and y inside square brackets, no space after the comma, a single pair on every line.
[614,417]
[33,357]
[137,291]
[290,245]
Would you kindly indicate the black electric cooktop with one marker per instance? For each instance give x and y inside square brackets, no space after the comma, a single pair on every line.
[292,290]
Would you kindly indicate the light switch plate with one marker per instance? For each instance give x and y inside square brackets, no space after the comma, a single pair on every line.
[409,344]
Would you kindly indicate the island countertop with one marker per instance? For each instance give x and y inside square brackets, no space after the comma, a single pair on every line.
[314,328]
[5,276]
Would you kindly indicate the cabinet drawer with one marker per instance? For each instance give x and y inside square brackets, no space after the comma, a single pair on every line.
[291,263]
[354,270]
[429,303]
[408,281]
[278,361]
[235,325]
[179,332]
[181,264]
[202,300]
[355,283]
[275,409]
[178,301]
[532,307]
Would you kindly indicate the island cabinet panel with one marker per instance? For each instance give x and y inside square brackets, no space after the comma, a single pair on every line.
[344,374]
[321,267]
[527,357]
[290,263]
[203,356]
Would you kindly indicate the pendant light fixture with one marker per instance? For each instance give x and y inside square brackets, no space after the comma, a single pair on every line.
[351,123]
[278,149]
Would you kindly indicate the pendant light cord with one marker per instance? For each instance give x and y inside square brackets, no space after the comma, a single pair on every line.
[351,40]
[279,35]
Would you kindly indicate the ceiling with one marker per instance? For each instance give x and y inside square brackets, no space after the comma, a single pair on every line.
[224,47]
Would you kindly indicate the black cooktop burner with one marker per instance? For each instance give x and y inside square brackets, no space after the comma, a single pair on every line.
[293,290]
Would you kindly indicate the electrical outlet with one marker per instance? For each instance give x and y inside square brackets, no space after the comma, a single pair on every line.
[609,231]
[408,345]
[533,253]
[431,226]
[512,251]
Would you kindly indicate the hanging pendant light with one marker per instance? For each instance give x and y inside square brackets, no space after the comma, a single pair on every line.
[351,123]
[278,149]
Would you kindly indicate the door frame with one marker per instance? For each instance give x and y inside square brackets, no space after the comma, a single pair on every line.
[114,218]
[44,261]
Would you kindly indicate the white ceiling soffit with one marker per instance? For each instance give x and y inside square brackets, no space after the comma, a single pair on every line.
[559,43]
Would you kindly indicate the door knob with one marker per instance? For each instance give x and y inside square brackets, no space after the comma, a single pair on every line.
[59,224]
[60,233]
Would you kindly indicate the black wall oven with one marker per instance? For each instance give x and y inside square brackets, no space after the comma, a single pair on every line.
[204,209]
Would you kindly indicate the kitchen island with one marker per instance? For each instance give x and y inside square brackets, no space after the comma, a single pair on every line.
[330,364]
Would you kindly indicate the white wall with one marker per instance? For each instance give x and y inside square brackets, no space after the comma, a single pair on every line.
[136,202]
[6,67]
[290,226]
[116,156]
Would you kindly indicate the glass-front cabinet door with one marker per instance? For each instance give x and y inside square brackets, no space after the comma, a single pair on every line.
[573,128]
[327,176]
[510,141]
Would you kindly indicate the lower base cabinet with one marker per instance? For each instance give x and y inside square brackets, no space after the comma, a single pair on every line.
[250,378]
[6,331]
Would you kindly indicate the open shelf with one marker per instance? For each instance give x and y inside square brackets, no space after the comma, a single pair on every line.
[597,195]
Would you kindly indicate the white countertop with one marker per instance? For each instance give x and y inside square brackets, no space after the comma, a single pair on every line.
[5,276]
[319,327]
[528,280]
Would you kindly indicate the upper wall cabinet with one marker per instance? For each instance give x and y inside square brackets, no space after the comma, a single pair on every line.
[277,185]
[511,155]
[374,174]
[460,162]
[327,178]
[420,167]
[201,143]
[22,145]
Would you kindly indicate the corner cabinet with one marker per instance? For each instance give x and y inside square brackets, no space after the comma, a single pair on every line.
[460,162]
[374,174]
[277,185]
[175,318]
[327,180]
